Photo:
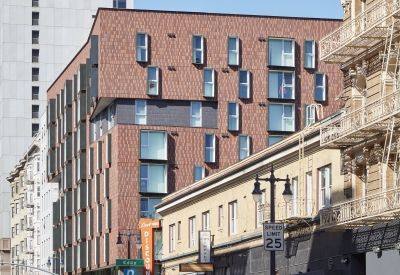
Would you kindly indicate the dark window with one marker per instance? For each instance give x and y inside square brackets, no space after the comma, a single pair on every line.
[35,37]
[35,55]
[35,3]
[35,129]
[35,74]
[119,4]
[35,93]
[35,18]
[35,111]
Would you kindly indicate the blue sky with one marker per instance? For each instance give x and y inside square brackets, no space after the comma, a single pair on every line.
[294,8]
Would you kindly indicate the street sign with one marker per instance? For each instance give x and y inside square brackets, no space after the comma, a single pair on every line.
[129,262]
[273,236]
[129,271]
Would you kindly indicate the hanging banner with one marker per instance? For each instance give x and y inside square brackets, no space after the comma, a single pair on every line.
[204,246]
[146,228]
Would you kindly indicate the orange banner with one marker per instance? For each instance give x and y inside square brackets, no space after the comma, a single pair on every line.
[146,228]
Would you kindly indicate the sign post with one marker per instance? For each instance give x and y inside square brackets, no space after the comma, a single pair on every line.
[274,236]
[204,246]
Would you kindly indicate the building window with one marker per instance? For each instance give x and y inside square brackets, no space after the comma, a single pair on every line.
[147,209]
[261,209]
[35,74]
[209,148]
[153,145]
[198,172]
[233,116]
[17,250]
[35,111]
[208,88]
[311,114]
[12,212]
[35,37]
[141,112]
[22,224]
[220,216]
[233,50]
[17,208]
[35,129]
[152,73]
[179,230]
[198,49]
[320,79]
[281,85]
[12,232]
[119,4]
[281,117]
[172,238]
[35,93]
[12,191]
[22,200]
[295,198]
[17,229]
[111,115]
[309,54]
[281,52]
[23,180]
[233,219]
[244,84]
[141,47]
[35,3]
[22,246]
[192,231]
[35,18]
[153,178]
[195,114]
[206,221]
[244,146]
[17,187]
[272,139]
[325,186]
[35,55]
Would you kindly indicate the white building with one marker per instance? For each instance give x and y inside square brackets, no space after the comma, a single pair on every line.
[38,38]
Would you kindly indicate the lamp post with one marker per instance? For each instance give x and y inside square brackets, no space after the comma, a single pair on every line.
[129,234]
[48,263]
[287,196]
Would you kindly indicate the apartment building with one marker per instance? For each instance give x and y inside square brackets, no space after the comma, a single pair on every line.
[38,39]
[156,100]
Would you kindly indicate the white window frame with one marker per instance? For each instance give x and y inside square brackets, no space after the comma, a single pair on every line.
[149,211]
[296,197]
[138,115]
[208,83]
[235,117]
[236,62]
[282,88]
[244,84]
[192,231]
[324,186]
[211,149]
[282,52]
[145,144]
[312,54]
[220,216]
[172,238]
[310,114]
[283,127]
[111,115]
[206,221]
[145,47]
[323,87]
[152,81]
[245,150]
[195,170]
[233,218]
[194,117]
[196,50]
[148,179]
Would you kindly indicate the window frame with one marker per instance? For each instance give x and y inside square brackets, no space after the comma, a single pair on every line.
[293,118]
[140,115]
[310,114]
[151,81]
[192,231]
[233,218]
[237,51]
[312,54]
[323,87]
[149,132]
[247,84]
[145,47]
[212,160]
[194,117]
[281,89]
[293,53]
[244,149]
[202,172]
[212,83]
[179,231]
[148,212]
[233,116]
[195,50]
[110,115]
[325,201]
[148,178]
[172,241]
[205,221]
[220,216]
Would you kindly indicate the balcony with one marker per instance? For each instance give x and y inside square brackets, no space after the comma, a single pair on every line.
[30,202]
[364,123]
[375,208]
[298,209]
[30,226]
[363,32]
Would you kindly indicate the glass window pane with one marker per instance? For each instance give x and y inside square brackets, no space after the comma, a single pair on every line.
[141,107]
[309,61]
[196,108]
[275,85]
[157,146]
[209,141]
[232,45]
[319,79]
[157,179]
[243,77]
[274,139]
[243,91]
[141,40]
[152,203]
[152,73]
[197,42]
[288,60]
[208,89]
[208,75]
[232,58]
[308,47]
[198,173]
[287,46]
[319,94]
[288,110]
[275,52]
[232,109]
[275,117]
[144,204]
[144,138]
[144,172]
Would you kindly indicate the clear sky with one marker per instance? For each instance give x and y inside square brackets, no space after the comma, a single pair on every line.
[295,8]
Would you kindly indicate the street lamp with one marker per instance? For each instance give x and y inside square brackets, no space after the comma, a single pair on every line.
[287,196]
[129,234]
[48,263]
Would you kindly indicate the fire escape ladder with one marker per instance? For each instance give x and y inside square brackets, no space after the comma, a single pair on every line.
[386,56]
[386,153]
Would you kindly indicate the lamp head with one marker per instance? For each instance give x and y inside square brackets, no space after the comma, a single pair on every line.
[119,241]
[48,263]
[138,240]
[287,193]
[62,263]
[257,191]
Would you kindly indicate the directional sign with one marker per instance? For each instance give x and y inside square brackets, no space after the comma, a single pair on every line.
[273,237]
[129,271]
[129,262]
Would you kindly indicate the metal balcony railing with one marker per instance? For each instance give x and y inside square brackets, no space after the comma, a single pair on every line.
[363,123]
[296,209]
[363,211]
[360,26]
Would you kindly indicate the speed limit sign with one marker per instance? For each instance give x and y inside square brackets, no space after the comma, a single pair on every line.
[273,237]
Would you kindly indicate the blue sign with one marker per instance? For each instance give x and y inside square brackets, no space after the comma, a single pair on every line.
[129,271]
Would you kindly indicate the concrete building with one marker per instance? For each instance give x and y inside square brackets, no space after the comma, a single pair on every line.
[38,39]
[157,100]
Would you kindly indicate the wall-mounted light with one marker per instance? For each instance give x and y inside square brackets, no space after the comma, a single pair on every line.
[344,259]
[171,35]
[225,70]
[174,133]
[173,166]
[171,68]
[376,249]
[224,135]
[262,39]
[262,104]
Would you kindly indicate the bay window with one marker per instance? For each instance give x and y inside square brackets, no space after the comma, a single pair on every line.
[281,85]
[198,172]
[244,84]
[153,178]
[281,52]
[209,147]
[233,116]
[309,54]
[153,145]
[320,87]
[141,47]
[198,49]
[140,112]
[195,114]
[152,79]
[244,146]
[233,50]
[208,85]
[281,117]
